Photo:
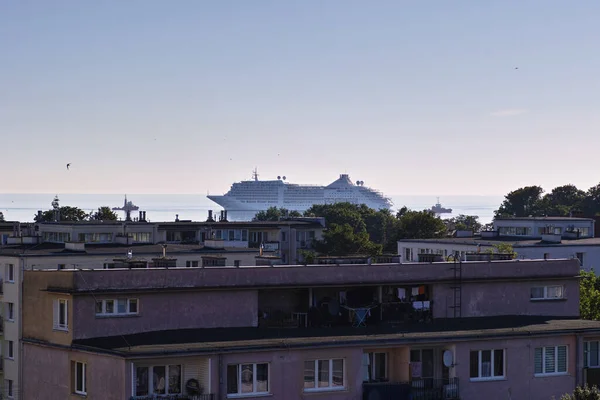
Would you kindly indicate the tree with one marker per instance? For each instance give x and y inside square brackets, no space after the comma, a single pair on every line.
[66,213]
[464,223]
[104,214]
[1,217]
[339,214]
[420,225]
[583,393]
[341,240]
[591,203]
[275,214]
[589,296]
[562,201]
[522,202]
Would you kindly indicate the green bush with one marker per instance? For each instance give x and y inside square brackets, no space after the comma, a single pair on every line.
[583,393]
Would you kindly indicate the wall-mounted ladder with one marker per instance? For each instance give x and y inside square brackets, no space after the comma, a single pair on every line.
[457,285]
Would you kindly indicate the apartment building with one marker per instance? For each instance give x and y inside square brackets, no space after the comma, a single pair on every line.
[108,245]
[531,238]
[494,330]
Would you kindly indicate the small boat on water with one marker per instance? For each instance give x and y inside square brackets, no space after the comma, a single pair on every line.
[438,209]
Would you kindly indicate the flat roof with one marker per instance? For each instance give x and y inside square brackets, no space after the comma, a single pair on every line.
[248,338]
[543,219]
[114,249]
[512,240]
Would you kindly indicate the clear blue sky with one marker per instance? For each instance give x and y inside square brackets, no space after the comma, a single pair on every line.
[413,97]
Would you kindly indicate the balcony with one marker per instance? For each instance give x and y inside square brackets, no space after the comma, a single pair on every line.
[175,397]
[424,389]
[353,307]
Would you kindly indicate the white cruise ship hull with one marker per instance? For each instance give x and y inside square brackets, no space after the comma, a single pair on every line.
[247,198]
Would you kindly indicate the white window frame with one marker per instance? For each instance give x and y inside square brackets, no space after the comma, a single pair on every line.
[371,356]
[58,303]
[545,290]
[479,366]
[10,312]
[116,312]
[151,380]
[544,373]
[10,349]
[10,273]
[9,388]
[83,390]
[587,346]
[329,388]
[254,382]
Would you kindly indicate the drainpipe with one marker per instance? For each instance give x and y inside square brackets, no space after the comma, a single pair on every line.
[220,392]
[578,370]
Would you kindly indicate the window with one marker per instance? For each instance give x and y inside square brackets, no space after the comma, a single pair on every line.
[324,375]
[10,311]
[374,367]
[61,319]
[244,379]
[141,237]
[10,273]
[591,354]
[61,266]
[283,236]
[421,360]
[546,256]
[191,264]
[10,349]
[580,257]
[9,388]
[79,378]
[547,292]
[514,231]
[109,265]
[550,360]
[237,263]
[157,379]
[116,307]
[487,364]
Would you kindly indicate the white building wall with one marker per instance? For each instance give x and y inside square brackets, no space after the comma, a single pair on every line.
[590,253]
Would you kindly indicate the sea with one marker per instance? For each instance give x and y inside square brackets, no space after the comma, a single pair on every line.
[168,207]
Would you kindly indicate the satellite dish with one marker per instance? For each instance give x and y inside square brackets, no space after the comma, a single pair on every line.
[357,183]
[279,177]
[284,178]
[448,359]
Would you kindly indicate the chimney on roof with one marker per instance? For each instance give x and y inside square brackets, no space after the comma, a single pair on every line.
[39,216]
[141,217]
[225,215]
[176,217]
[210,216]
[144,215]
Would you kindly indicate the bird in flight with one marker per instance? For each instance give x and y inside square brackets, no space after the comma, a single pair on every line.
[68,165]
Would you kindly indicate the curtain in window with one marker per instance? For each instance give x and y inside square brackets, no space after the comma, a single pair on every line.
[159,376]
[175,379]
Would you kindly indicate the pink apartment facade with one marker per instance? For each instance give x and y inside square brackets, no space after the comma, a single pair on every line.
[494,330]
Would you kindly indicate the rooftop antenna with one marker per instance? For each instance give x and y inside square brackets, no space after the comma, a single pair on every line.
[255,174]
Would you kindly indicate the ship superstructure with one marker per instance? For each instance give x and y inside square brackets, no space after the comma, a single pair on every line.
[246,198]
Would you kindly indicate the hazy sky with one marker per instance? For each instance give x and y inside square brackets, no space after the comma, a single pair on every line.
[413,97]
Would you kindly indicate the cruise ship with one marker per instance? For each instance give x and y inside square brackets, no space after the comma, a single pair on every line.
[246,198]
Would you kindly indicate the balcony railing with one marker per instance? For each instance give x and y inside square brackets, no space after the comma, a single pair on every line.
[378,314]
[175,397]
[423,389]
